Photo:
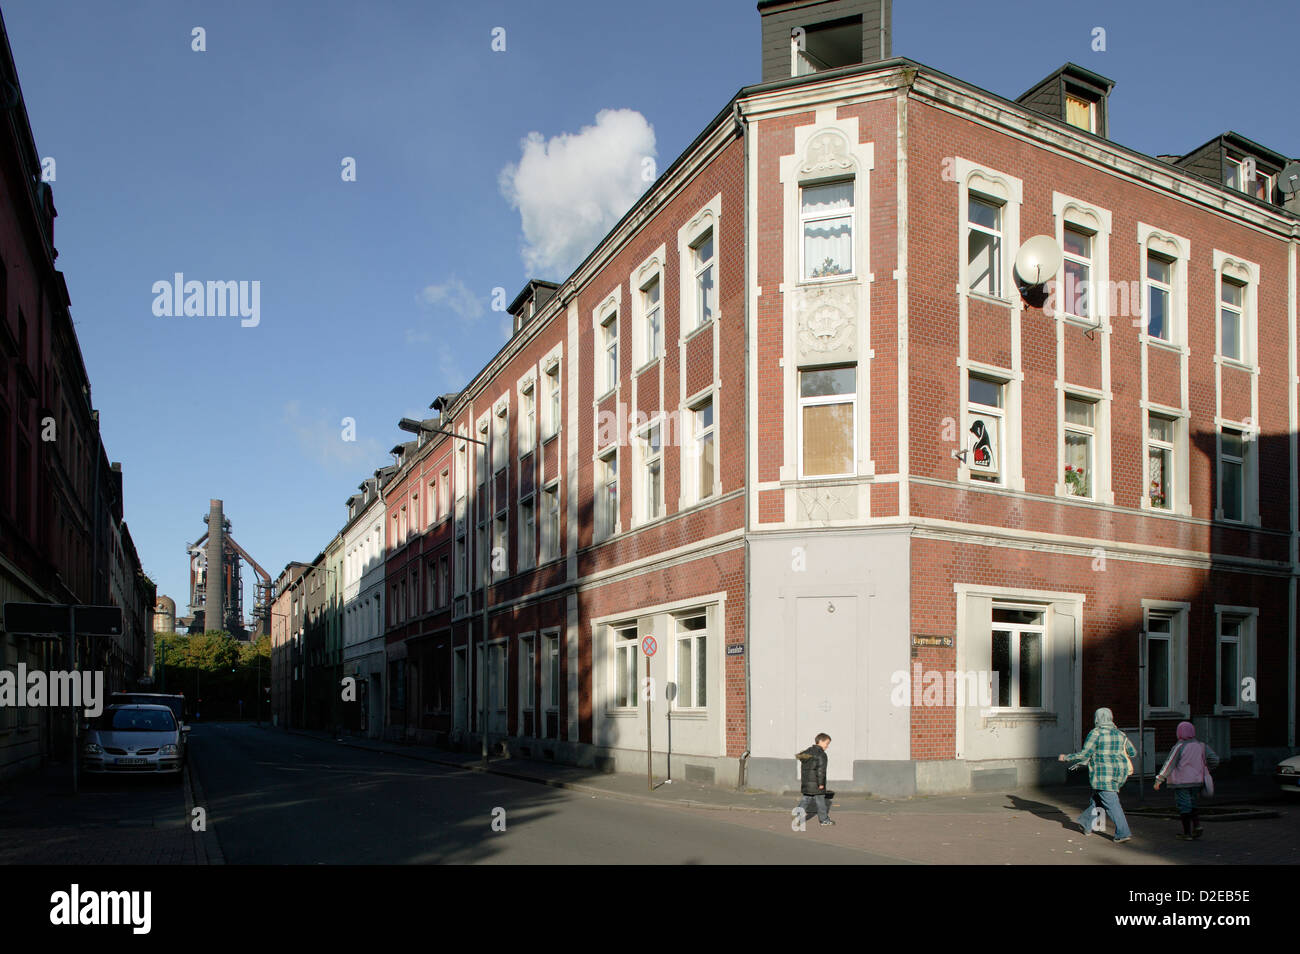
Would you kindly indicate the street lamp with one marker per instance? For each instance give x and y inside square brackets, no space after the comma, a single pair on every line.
[416,427]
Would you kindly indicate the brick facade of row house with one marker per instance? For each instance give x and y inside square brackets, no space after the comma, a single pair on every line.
[63,533]
[796,419]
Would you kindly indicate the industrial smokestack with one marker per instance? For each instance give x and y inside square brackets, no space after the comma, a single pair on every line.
[214,615]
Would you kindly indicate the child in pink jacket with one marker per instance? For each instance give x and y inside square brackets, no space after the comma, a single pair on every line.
[1186,772]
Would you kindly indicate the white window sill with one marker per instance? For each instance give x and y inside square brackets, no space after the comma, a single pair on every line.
[1164,345]
[694,714]
[647,366]
[1018,715]
[698,329]
[1236,363]
[550,437]
[1168,714]
[991,299]
[829,279]
[609,392]
[1235,712]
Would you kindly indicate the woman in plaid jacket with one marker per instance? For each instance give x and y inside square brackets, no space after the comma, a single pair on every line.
[1106,752]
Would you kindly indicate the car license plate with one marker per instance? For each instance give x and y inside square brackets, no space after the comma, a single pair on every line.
[132,761]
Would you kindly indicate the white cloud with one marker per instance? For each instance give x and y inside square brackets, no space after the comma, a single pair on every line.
[571,189]
[330,442]
[455,295]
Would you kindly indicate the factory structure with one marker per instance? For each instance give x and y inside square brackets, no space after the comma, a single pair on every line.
[224,587]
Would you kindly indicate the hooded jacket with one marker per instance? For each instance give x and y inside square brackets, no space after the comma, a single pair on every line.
[812,770]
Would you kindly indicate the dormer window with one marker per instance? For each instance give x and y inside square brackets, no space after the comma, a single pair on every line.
[1081,112]
[1244,176]
[826,46]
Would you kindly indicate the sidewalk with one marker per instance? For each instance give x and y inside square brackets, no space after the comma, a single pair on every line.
[1253,792]
[109,822]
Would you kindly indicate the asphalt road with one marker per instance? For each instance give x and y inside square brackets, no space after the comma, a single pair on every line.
[275,798]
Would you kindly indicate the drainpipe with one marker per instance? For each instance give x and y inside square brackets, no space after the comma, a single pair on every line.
[742,127]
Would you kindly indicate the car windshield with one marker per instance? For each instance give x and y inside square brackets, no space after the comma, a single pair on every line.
[138,720]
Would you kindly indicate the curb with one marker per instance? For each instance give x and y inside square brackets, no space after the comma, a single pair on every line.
[207,849]
[657,802]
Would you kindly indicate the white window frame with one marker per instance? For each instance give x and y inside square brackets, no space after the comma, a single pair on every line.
[997,187]
[1178,613]
[1247,648]
[969,410]
[999,236]
[500,538]
[528,694]
[692,638]
[528,531]
[609,352]
[549,518]
[623,655]
[693,455]
[1177,459]
[1248,461]
[689,238]
[645,457]
[1178,251]
[500,437]
[552,680]
[1089,262]
[605,527]
[647,273]
[804,219]
[553,380]
[1094,450]
[527,415]
[1092,111]
[823,400]
[1238,271]
[1044,630]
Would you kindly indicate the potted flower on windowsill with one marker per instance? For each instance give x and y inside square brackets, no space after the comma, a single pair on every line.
[828,268]
[1075,481]
[1157,494]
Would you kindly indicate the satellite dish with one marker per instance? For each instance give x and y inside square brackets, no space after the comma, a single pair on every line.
[1038,260]
[1289,179]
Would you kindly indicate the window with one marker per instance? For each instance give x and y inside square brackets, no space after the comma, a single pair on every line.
[1160,660]
[480,455]
[432,502]
[1244,176]
[1017,657]
[553,400]
[462,565]
[1231,307]
[431,585]
[1080,112]
[1159,296]
[527,418]
[625,665]
[706,289]
[652,319]
[984,246]
[1231,633]
[500,439]
[609,345]
[1160,461]
[1076,294]
[691,650]
[551,522]
[828,421]
[985,411]
[443,574]
[607,494]
[1080,440]
[500,529]
[652,473]
[553,676]
[527,673]
[527,532]
[1232,473]
[703,456]
[826,221]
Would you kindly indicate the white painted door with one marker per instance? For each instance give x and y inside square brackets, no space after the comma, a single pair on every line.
[826,633]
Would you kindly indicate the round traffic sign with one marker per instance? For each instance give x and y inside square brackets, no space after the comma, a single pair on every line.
[648,645]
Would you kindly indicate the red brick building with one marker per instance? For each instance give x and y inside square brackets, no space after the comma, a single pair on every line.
[803,419]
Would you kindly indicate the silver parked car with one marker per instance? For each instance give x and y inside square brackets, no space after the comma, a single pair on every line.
[142,739]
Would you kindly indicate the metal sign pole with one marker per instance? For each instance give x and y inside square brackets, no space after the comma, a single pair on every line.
[649,725]
[72,667]
[1142,705]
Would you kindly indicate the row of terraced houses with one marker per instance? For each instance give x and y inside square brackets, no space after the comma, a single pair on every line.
[799,418]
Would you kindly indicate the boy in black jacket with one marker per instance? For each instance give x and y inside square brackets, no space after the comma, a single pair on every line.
[812,777]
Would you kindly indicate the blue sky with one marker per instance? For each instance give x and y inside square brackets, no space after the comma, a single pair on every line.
[225,165]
